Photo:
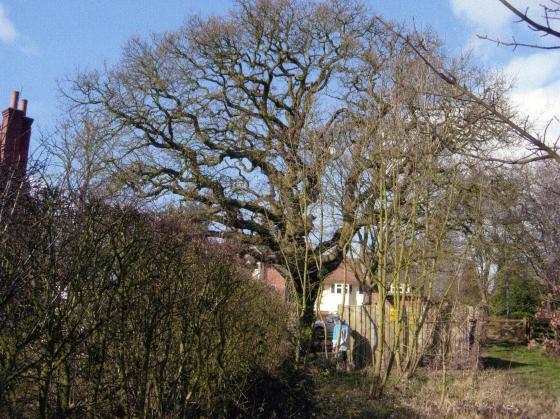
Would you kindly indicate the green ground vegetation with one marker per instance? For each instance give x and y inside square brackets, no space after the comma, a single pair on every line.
[540,374]
[516,382]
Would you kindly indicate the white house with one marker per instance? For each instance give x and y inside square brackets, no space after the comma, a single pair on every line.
[333,286]
[333,290]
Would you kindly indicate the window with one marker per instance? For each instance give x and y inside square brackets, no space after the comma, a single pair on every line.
[360,290]
[403,290]
[338,288]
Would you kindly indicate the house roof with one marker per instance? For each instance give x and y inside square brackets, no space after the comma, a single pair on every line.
[346,272]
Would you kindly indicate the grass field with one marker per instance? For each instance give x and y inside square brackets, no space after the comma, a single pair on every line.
[540,374]
[516,382]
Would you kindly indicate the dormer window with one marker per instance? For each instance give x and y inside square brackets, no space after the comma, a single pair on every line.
[337,288]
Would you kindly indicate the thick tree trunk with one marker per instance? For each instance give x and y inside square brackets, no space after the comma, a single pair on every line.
[481,321]
[306,319]
[378,378]
[43,399]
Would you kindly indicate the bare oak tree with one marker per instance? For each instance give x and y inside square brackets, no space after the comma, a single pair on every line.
[269,120]
[239,115]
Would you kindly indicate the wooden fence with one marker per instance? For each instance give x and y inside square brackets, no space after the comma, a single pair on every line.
[364,337]
[507,331]
[455,326]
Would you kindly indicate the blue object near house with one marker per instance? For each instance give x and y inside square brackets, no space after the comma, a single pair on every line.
[344,330]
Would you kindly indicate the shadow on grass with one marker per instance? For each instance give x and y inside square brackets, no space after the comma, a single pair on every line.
[500,344]
[501,364]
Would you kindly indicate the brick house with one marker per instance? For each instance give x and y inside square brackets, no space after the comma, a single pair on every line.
[15,135]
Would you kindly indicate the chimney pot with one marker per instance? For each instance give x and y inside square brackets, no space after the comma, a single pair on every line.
[23,106]
[14,99]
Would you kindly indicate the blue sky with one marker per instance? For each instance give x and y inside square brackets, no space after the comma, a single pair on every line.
[45,41]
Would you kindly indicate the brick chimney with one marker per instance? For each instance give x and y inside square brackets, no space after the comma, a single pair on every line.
[15,135]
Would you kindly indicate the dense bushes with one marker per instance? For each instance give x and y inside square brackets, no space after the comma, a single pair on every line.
[109,311]
[549,318]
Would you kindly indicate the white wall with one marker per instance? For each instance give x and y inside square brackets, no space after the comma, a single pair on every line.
[330,301]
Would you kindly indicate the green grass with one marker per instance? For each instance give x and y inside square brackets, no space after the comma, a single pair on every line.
[516,382]
[539,373]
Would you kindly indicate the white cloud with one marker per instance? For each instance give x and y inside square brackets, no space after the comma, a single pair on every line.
[535,72]
[536,91]
[490,18]
[8,33]
[483,18]
[488,15]
[541,104]
[27,46]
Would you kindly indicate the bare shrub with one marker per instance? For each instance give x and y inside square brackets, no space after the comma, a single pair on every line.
[107,310]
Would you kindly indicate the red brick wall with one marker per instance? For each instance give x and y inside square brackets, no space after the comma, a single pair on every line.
[273,278]
[15,133]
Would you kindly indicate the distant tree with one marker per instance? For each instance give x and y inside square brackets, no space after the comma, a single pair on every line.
[516,293]
[541,232]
